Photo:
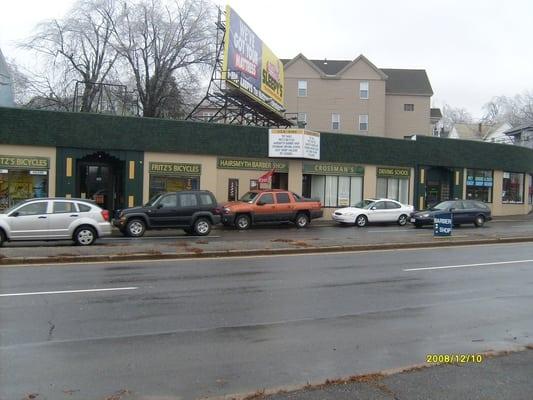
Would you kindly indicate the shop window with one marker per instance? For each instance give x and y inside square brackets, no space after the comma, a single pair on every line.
[479,185]
[513,188]
[16,186]
[336,191]
[393,188]
[162,184]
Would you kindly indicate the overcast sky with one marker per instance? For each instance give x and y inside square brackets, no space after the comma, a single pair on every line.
[472,50]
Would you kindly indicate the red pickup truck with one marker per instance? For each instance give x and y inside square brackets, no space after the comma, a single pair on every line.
[270,206]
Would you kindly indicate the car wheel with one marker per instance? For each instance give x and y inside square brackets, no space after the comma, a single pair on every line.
[479,221]
[242,222]
[202,227]
[361,221]
[302,220]
[135,227]
[402,220]
[85,236]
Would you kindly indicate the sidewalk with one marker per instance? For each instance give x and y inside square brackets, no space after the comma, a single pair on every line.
[501,377]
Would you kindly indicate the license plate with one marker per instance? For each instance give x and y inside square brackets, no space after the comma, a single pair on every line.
[413,220]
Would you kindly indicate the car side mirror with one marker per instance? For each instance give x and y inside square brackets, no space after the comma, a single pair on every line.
[260,203]
[14,214]
[452,209]
[159,206]
[373,207]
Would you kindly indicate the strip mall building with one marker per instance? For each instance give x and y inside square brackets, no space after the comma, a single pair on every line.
[122,161]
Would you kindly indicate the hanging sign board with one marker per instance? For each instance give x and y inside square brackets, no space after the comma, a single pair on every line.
[294,143]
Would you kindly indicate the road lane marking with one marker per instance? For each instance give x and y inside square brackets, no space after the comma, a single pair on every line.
[69,291]
[469,265]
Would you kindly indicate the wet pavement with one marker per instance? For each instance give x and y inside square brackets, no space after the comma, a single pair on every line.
[319,234]
[203,328]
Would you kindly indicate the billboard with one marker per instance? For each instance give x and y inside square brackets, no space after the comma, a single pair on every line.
[250,66]
[294,143]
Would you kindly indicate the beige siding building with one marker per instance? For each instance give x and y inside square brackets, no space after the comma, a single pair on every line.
[357,97]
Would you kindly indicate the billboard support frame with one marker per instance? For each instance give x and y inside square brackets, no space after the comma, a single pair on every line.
[228,104]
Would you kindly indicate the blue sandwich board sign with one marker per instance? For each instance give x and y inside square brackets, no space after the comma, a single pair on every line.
[442,224]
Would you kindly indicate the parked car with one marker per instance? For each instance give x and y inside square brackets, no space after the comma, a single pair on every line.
[373,210]
[463,212]
[194,211]
[270,206]
[55,219]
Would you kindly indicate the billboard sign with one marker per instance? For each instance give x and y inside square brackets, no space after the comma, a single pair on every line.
[250,66]
[294,143]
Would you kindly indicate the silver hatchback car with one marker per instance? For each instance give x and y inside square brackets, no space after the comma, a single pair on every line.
[55,219]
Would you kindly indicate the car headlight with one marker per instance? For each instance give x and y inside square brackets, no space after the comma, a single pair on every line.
[226,210]
[425,215]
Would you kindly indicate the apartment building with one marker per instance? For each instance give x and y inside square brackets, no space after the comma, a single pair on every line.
[357,97]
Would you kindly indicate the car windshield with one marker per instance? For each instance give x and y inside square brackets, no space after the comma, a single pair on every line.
[8,210]
[445,205]
[249,197]
[153,200]
[364,204]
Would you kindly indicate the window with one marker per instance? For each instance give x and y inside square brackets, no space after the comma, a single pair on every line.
[335,121]
[188,200]
[408,107]
[163,184]
[168,201]
[84,207]
[33,209]
[379,205]
[336,191]
[64,207]
[391,205]
[393,188]
[266,198]
[206,199]
[363,90]
[282,198]
[513,187]
[363,123]
[302,118]
[302,88]
[479,185]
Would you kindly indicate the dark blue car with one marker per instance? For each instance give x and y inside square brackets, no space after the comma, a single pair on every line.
[463,212]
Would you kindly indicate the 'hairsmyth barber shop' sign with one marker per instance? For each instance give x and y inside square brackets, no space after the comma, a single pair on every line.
[252,164]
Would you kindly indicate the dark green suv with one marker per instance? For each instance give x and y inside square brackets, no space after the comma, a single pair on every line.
[193,211]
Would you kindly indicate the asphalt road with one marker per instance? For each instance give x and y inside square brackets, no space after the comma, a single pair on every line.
[195,328]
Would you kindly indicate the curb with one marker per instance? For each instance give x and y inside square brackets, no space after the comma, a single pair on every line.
[440,242]
[362,378]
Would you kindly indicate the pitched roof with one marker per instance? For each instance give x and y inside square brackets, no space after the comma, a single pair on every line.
[519,129]
[399,81]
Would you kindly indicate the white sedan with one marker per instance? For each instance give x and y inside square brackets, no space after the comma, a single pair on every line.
[374,210]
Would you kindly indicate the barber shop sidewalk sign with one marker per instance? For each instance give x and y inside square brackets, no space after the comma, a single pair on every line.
[442,224]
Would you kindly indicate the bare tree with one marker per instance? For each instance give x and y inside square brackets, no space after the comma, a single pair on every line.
[165,46]
[516,110]
[76,48]
[455,115]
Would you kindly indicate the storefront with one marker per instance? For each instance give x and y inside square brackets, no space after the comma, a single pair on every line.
[393,183]
[513,188]
[479,184]
[22,178]
[336,185]
[173,177]
[236,176]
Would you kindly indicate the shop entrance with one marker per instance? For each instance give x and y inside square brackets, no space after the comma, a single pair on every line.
[439,185]
[280,180]
[101,178]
